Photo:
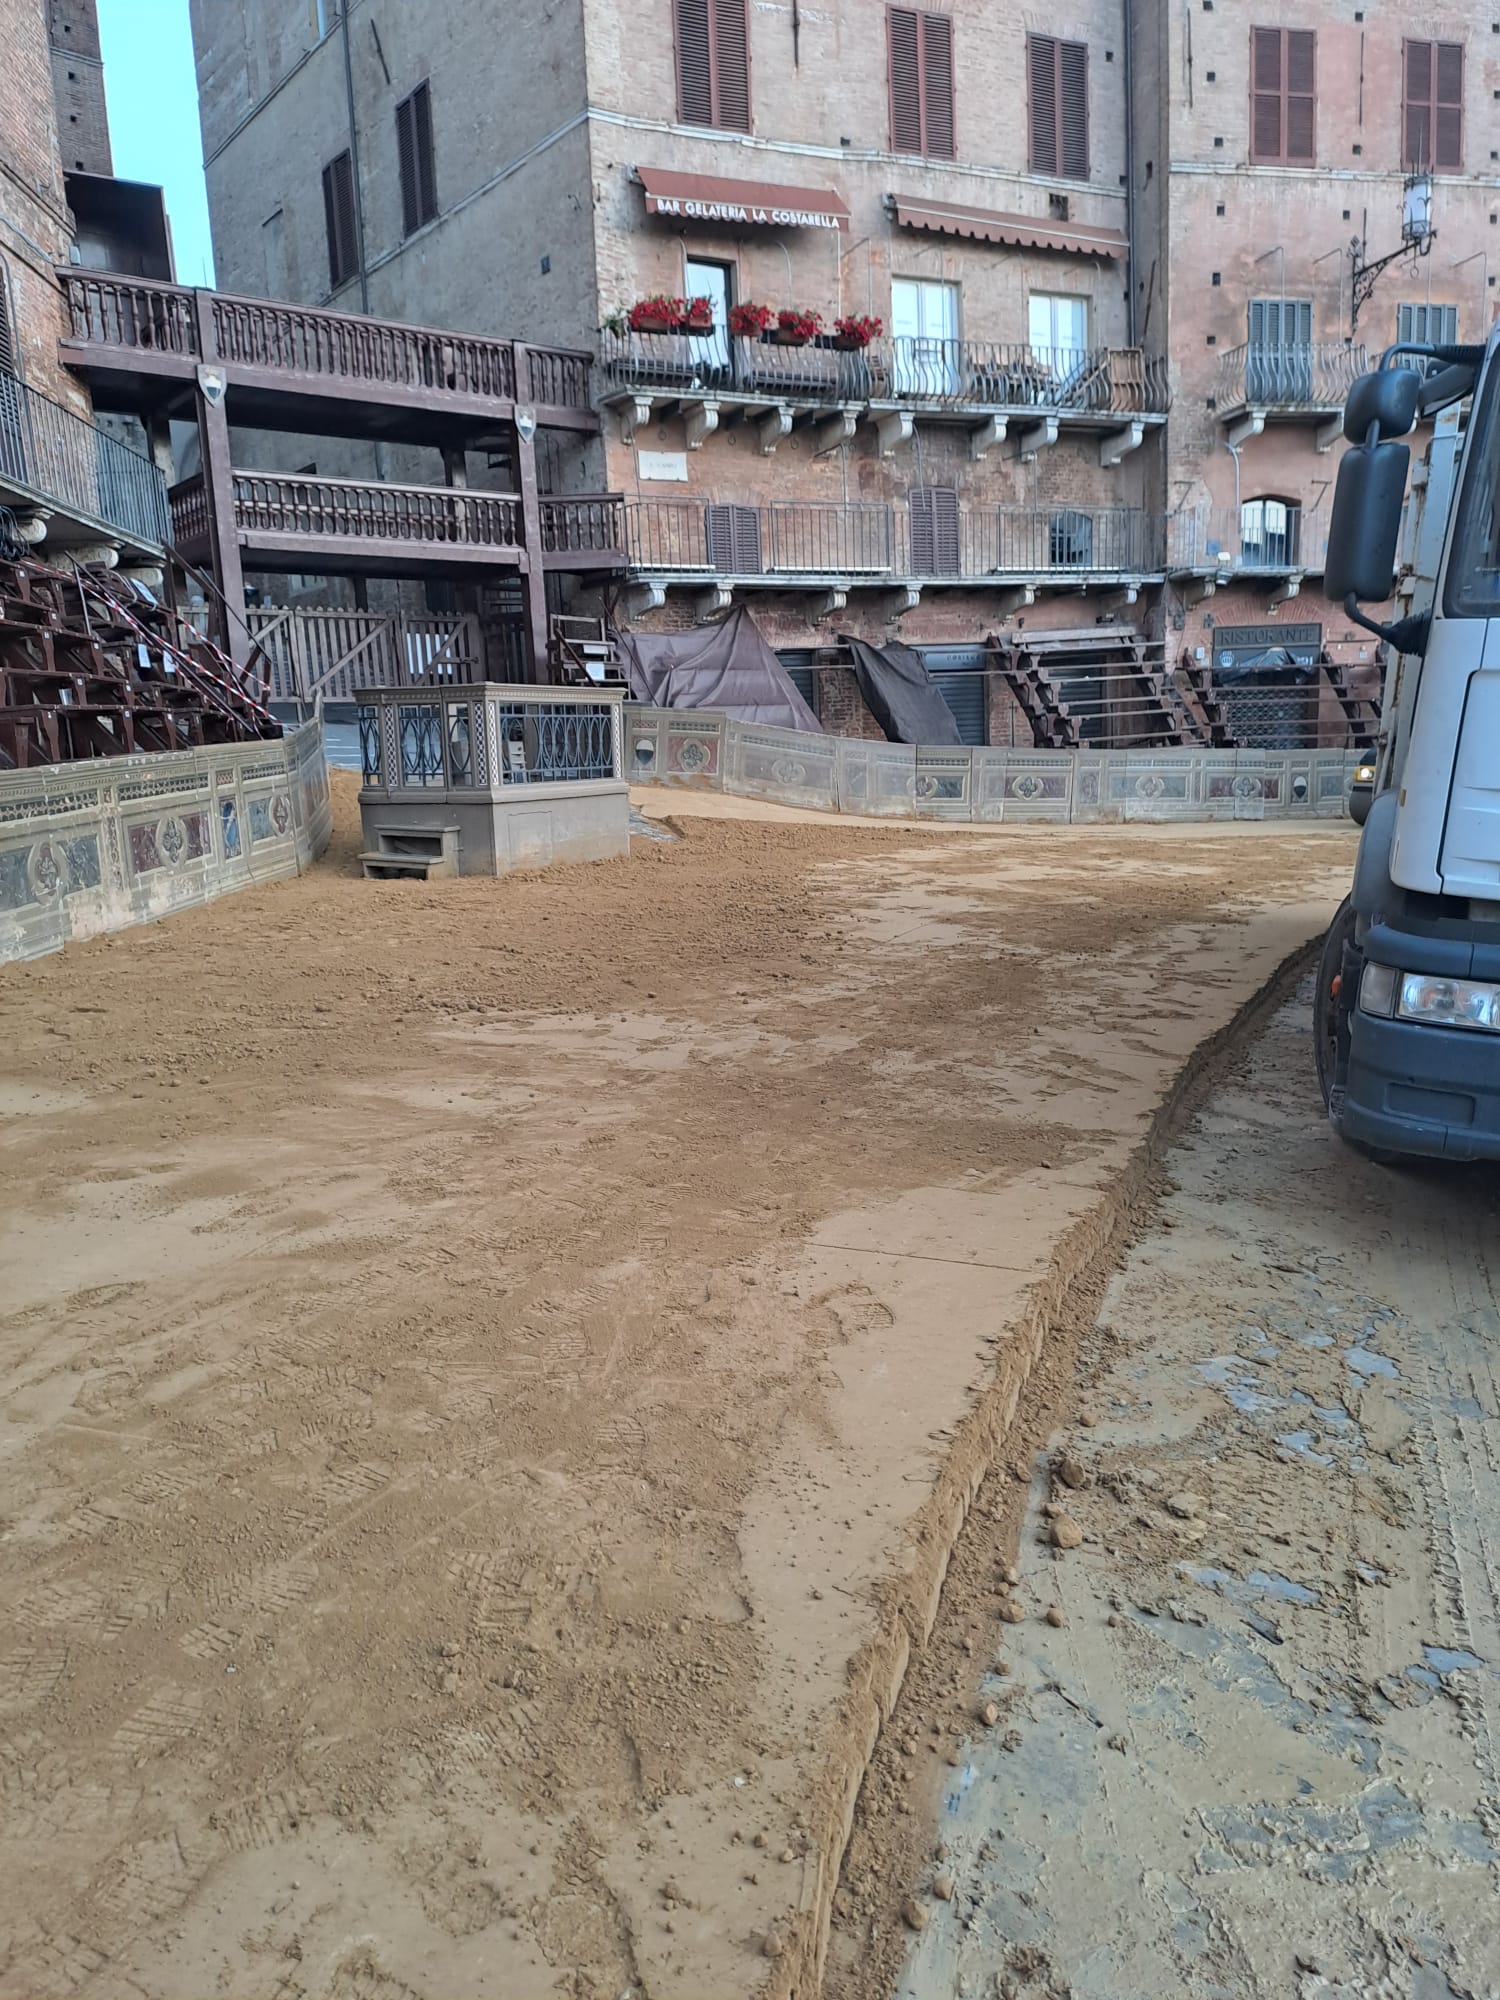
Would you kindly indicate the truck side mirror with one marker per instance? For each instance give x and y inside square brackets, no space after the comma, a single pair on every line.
[1389,399]
[1366,522]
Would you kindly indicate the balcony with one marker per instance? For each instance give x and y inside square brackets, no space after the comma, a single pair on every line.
[55,463]
[987,386]
[140,343]
[1267,542]
[834,547]
[1305,383]
[351,527]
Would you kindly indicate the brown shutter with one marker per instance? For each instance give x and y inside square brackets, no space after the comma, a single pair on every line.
[1041,71]
[713,63]
[1299,69]
[934,531]
[732,64]
[1416,104]
[1073,109]
[338,216]
[695,88]
[7,338]
[937,85]
[1265,94]
[733,537]
[904,66]
[1448,110]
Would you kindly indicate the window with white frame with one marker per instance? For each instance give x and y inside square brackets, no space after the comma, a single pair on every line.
[924,336]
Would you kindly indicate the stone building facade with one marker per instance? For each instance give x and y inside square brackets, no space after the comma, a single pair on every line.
[1115,252]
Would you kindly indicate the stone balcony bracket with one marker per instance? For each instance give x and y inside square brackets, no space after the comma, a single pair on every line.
[700,421]
[1284,590]
[986,436]
[1114,445]
[644,597]
[635,415]
[898,603]
[1035,438]
[1009,602]
[833,432]
[828,602]
[713,602]
[771,426]
[892,427]
[1248,425]
[1328,433]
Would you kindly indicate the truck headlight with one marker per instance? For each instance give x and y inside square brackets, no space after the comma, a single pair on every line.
[1449,1003]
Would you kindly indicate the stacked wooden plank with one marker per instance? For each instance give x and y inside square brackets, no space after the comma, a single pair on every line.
[93,666]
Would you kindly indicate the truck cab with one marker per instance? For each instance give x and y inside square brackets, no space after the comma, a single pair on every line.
[1408,996]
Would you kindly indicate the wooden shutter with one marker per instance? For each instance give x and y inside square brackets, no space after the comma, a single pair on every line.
[338,215]
[1283,96]
[920,62]
[934,531]
[937,85]
[713,63]
[1416,104]
[1448,111]
[1041,71]
[733,538]
[7,335]
[1426,324]
[1058,89]
[418,166]
[1073,109]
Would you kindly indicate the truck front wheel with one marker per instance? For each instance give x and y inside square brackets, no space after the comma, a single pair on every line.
[1331,1005]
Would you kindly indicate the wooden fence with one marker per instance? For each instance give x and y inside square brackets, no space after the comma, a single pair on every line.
[318,654]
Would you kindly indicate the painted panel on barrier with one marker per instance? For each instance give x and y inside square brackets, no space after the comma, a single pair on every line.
[876,778]
[944,778]
[1023,784]
[785,766]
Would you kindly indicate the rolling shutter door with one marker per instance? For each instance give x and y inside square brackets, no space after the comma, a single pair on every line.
[959,676]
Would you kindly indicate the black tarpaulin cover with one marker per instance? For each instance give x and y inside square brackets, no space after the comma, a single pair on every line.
[901,694]
[726,667]
[1275,663]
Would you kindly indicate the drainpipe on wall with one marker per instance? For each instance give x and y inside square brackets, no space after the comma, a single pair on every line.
[1130,302]
[359,199]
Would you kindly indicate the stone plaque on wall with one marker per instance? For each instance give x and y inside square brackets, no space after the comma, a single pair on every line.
[662,465]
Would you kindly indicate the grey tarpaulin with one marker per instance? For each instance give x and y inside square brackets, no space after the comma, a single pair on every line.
[1275,663]
[727,667]
[901,694]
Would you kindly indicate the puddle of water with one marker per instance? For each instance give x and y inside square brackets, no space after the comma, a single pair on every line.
[1449,1659]
[1315,1339]
[1364,1362]
[1271,1585]
[1301,1443]
[1259,1583]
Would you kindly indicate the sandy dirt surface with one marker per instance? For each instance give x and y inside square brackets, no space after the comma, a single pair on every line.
[1257,1754]
[481,1364]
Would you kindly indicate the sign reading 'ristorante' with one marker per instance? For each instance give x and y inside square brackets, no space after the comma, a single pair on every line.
[740,204]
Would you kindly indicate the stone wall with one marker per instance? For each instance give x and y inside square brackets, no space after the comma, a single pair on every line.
[35,226]
[98,846]
[905,781]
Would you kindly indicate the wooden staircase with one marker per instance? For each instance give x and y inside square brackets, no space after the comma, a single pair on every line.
[1362,714]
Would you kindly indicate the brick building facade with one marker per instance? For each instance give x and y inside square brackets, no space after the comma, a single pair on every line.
[1115,255]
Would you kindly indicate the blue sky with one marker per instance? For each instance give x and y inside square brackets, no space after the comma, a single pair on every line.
[152,91]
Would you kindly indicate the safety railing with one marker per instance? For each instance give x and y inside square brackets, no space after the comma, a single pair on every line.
[1309,375]
[954,374]
[351,511]
[1264,537]
[589,525]
[929,537]
[61,457]
[309,346]
[489,739]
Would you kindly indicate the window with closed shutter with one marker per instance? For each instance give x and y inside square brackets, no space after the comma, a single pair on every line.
[419,202]
[934,531]
[1057,75]
[713,63]
[1278,360]
[919,47]
[1432,105]
[1428,325]
[1283,97]
[7,335]
[338,214]
[733,537]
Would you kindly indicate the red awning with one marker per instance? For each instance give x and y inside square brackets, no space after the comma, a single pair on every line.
[1027,232]
[741,204]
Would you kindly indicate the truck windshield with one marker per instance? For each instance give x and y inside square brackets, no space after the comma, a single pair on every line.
[1472,589]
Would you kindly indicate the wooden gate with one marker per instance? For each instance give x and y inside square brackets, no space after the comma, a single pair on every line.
[322,655]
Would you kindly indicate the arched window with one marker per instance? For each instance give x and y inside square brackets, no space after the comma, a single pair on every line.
[1270,533]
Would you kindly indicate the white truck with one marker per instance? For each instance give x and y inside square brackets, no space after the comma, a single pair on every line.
[1408,994]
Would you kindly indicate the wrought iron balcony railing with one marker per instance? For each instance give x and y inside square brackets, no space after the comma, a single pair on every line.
[65,460]
[927,538]
[304,345]
[935,374]
[1313,375]
[1265,537]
